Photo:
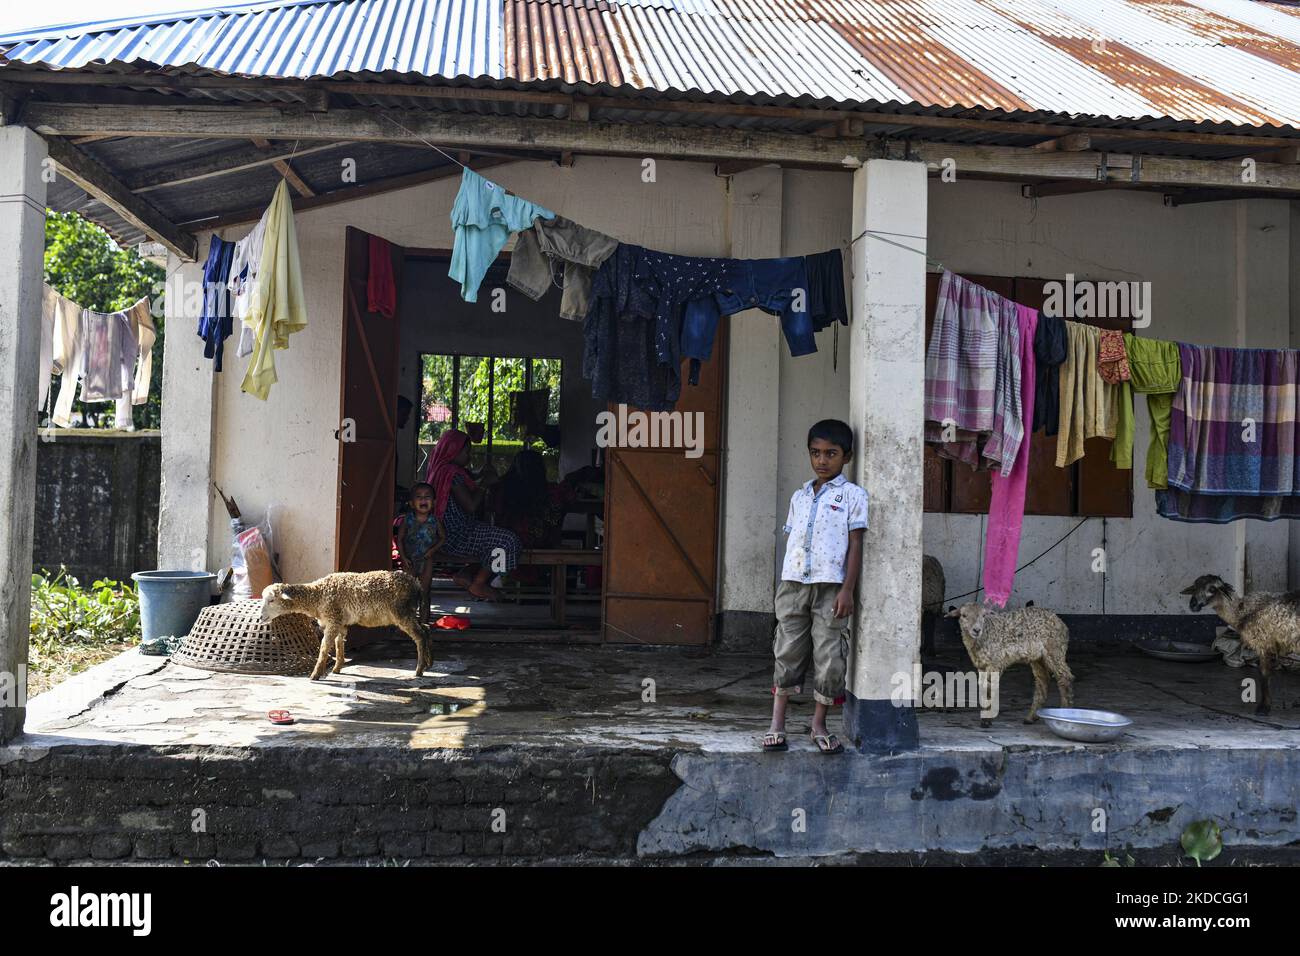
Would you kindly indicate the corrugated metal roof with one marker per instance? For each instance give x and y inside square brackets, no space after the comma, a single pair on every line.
[1219,61]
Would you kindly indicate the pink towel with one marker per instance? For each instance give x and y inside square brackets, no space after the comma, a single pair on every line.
[1007,508]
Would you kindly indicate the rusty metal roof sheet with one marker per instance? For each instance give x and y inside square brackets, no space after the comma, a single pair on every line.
[1202,61]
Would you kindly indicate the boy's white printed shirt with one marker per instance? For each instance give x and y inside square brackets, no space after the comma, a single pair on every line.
[818,526]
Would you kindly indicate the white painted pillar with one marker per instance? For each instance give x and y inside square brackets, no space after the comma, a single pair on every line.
[1262,321]
[188,421]
[886,395]
[750,492]
[1293,310]
[22,237]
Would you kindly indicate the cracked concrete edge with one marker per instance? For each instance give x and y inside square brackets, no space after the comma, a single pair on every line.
[964,803]
[81,692]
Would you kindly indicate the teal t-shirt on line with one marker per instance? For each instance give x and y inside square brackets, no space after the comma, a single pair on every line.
[482,219]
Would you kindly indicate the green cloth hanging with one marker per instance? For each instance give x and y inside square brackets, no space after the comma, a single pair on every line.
[1156,372]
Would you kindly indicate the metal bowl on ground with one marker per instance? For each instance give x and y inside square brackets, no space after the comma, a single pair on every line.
[1089,726]
[1183,651]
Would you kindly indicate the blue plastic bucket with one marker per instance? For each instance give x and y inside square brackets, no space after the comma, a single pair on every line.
[170,601]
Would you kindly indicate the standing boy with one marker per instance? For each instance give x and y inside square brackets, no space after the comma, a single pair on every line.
[815,597]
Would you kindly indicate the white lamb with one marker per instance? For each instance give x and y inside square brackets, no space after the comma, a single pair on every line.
[337,601]
[1029,635]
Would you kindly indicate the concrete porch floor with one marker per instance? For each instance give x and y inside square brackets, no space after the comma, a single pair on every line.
[482,695]
[676,776]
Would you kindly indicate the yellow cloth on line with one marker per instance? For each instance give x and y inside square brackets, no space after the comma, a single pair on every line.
[1089,404]
[277,308]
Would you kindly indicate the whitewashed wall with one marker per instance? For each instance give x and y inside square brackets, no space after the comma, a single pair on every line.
[1221,274]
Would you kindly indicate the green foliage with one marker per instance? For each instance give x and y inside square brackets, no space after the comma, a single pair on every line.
[485,384]
[83,263]
[108,612]
[1202,841]
[74,627]
[1108,860]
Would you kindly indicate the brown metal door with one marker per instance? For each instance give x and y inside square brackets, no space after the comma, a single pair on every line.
[368,413]
[661,527]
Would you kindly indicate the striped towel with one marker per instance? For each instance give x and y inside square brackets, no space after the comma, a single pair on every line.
[972,374]
[1233,426]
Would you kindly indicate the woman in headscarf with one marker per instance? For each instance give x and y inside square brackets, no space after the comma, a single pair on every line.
[456,497]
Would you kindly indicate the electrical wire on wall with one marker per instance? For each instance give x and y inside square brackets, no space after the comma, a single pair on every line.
[1081,523]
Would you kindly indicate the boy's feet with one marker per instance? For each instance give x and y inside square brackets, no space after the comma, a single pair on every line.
[827,743]
[775,740]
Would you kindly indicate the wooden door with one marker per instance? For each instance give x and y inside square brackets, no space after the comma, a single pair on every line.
[367,417]
[661,527]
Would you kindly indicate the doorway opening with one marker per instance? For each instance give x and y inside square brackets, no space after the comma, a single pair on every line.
[621,542]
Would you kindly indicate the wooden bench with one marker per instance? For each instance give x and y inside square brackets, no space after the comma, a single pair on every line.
[559,559]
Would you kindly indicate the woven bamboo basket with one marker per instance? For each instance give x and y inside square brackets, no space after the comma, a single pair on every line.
[234,638]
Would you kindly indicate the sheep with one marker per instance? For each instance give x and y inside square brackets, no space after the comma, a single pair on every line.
[1267,622]
[1028,635]
[932,588]
[336,601]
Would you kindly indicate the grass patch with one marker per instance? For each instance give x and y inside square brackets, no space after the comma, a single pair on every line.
[75,627]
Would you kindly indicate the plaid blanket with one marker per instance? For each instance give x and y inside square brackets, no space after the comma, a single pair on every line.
[972,374]
[1233,426]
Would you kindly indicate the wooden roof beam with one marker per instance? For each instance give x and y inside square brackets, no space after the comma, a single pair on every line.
[96,180]
[1073,143]
[222,164]
[346,194]
[480,133]
[284,169]
[308,89]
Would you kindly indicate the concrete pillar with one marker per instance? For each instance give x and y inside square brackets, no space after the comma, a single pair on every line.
[188,421]
[1262,320]
[22,237]
[750,491]
[886,394]
[1293,309]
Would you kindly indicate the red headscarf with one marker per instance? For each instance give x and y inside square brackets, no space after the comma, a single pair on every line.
[442,470]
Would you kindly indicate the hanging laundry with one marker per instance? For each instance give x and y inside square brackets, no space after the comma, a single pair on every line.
[244,264]
[60,338]
[1112,359]
[1113,367]
[826,300]
[973,354]
[1050,348]
[381,287]
[633,330]
[109,349]
[482,217]
[1089,404]
[783,287]
[1007,505]
[67,360]
[581,250]
[142,328]
[1155,371]
[1008,433]
[1232,436]
[278,306]
[215,322]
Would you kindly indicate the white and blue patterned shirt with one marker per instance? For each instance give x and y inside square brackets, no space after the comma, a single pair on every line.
[819,526]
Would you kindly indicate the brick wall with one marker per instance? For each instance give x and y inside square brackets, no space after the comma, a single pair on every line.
[284,803]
